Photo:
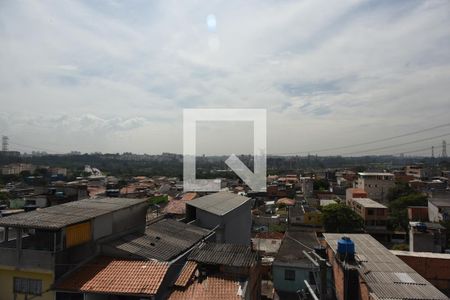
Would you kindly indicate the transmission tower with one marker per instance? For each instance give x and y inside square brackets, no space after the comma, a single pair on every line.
[444,149]
[5,143]
[432,151]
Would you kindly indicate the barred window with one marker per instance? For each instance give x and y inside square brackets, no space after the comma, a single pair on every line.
[27,286]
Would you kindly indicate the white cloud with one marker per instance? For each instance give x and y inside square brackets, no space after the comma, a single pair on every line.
[74,71]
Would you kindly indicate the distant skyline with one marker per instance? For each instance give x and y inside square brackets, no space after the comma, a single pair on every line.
[115,76]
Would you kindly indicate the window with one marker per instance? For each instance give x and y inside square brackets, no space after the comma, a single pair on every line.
[370,212]
[289,275]
[27,286]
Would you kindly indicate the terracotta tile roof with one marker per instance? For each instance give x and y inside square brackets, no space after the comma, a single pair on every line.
[177,207]
[217,288]
[286,201]
[189,196]
[186,273]
[109,275]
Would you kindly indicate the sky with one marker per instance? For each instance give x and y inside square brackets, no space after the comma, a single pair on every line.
[115,76]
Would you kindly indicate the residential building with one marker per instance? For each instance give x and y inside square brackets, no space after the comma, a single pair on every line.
[177,207]
[434,267]
[291,267]
[426,237]
[418,171]
[39,247]
[227,213]
[219,271]
[374,214]
[304,215]
[375,184]
[354,193]
[307,186]
[16,169]
[439,209]
[164,239]
[418,213]
[364,269]
[109,278]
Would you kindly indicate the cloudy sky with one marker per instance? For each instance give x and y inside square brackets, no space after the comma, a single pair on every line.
[115,76]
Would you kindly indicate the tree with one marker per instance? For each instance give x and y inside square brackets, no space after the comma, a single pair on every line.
[399,209]
[341,218]
[321,184]
[399,190]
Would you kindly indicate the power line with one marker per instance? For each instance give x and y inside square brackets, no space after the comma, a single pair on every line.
[369,142]
[397,145]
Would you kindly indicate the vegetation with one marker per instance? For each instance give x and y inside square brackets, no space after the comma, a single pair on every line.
[321,185]
[399,190]
[401,247]
[158,199]
[341,218]
[398,209]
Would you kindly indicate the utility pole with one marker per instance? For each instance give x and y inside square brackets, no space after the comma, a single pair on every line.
[444,149]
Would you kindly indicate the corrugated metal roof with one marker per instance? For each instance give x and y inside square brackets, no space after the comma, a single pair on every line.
[186,273]
[293,244]
[113,276]
[213,287]
[367,202]
[59,216]
[162,240]
[386,275]
[219,203]
[224,254]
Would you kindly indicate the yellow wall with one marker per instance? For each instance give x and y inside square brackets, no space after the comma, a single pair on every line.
[78,234]
[7,282]
[313,218]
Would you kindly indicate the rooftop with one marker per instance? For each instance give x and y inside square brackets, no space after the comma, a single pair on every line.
[113,276]
[59,216]
[219,203]
[421,254]
[186,273]
[386,275]
[293,244]
[224,254]
[375,174]
[213,287]
[163,240]
[369,203]
[442,202]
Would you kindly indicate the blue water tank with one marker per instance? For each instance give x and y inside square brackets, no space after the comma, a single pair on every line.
[346,248]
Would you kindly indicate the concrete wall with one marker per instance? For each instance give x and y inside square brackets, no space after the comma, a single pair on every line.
[235,227]
[28,259]
[281,284]
[238,225]
[129,218]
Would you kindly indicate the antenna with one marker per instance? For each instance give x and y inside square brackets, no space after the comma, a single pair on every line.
[5,143]
[444,149]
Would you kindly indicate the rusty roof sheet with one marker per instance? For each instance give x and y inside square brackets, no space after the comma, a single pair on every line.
[186,273]
[163,240]
[386,275]
[59,216]
[224,254]
[113,276]
[213,287]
